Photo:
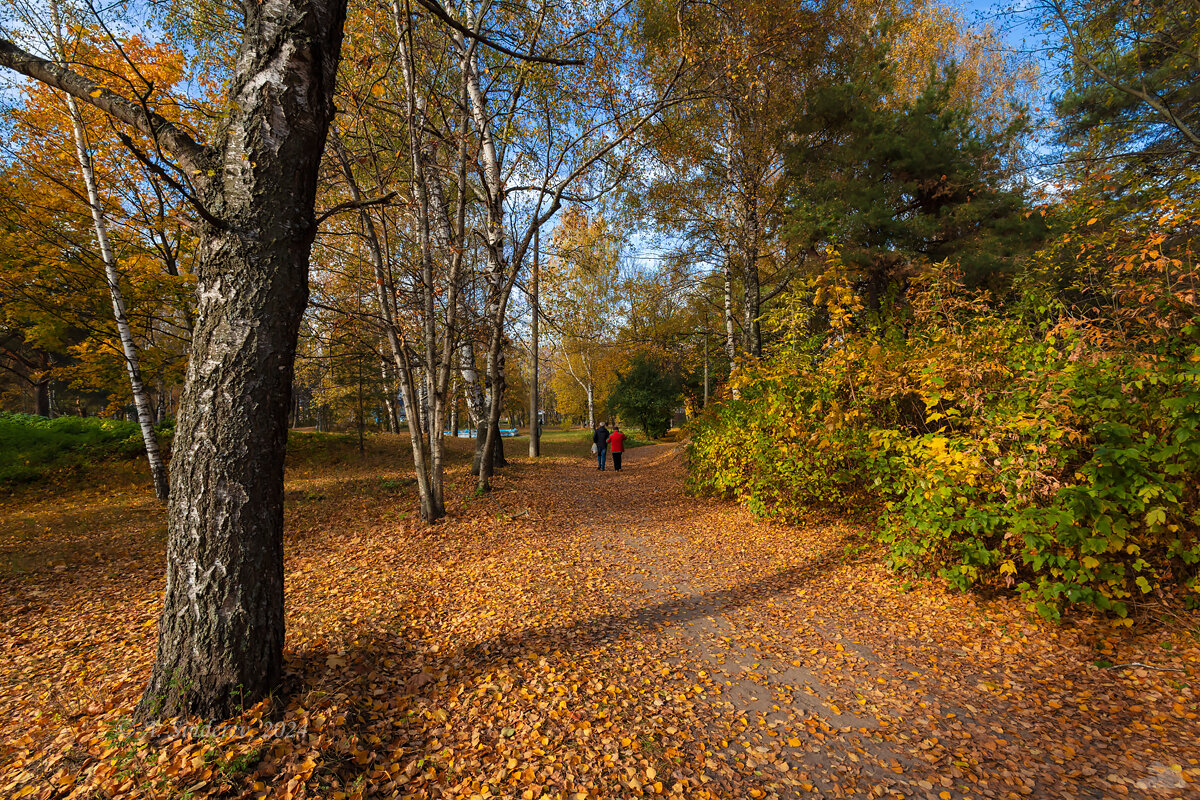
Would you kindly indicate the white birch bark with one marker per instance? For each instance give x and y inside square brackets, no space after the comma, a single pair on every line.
[472,389]
[141,398]
[587,387]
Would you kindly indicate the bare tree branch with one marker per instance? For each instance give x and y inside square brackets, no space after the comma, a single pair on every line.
[192,156]
[435,8]
[354,205]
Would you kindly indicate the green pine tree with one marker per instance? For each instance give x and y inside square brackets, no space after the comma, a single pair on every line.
[897,186]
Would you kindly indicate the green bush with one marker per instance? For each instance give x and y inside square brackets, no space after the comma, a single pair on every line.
[1005,447]
[31,445]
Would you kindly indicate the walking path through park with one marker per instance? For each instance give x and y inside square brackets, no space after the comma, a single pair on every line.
[576,634]
[825,675]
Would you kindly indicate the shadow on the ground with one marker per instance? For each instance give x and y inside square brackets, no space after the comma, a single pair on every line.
[479,657]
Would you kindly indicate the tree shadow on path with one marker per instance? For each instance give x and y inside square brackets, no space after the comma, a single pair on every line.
[583,634]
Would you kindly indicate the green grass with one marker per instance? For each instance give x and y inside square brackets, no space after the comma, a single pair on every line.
[569,442]
[31,446]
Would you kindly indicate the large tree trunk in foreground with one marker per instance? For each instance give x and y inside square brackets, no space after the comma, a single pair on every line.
[220,643]
[220,636]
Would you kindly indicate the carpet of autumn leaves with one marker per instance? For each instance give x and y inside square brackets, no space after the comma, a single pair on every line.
[573,634]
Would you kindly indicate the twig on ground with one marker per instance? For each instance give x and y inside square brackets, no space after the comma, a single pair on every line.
[1146,666]
[503,511]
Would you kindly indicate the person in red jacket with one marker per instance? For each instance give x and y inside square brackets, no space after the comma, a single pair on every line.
[616,446]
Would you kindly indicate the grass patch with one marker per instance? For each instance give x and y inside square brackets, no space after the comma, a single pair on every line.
[31,446]
[570,442]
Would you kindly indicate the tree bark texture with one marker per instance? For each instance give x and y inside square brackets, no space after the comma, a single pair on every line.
[472,390]
[220,635]
[220,644]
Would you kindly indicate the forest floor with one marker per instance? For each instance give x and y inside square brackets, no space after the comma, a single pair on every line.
[573,634]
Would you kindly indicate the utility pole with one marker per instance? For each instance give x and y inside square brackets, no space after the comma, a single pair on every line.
[535,444]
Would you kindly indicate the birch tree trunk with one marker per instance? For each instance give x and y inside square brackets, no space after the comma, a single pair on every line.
[751,284]
[141,398]
[220,642]
[730,330]
[535,433]
[472,391]
[389,397]
[494,246]
[585,383]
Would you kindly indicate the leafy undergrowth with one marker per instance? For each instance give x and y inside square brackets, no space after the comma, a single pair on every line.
[32,446]
[572,634]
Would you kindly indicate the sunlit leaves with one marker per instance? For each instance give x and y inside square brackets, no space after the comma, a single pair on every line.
[618,640]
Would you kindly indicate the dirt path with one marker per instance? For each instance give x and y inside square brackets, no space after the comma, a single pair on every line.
[828,676]
[577,635]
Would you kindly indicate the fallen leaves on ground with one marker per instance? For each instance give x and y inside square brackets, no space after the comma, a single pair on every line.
[575,634]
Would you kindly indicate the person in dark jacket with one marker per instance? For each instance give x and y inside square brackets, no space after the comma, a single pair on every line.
[600,439]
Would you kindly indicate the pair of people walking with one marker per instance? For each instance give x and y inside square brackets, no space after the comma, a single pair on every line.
[603,442]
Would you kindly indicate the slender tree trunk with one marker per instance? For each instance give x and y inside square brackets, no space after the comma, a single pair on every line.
[408,387]
[730,225]
[492,448]
[498,459]
[535,432]
[423,397]
[141,397]
[481,433]
[362,444]
[705,368]
[730,325]
[585,383]
[751,285]
[41,386]
[408,373]
[389,398]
